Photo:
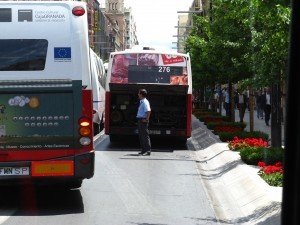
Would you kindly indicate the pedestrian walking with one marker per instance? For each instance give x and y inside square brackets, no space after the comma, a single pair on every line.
[267,105]
[214,101]
[242,104]
[143,116]
[226,101]
[259,105]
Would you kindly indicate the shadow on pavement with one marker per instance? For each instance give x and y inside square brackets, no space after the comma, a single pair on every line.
[132,144]
[40,201]
[149,223]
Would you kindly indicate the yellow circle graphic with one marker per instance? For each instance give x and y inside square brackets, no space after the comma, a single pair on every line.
[34,102]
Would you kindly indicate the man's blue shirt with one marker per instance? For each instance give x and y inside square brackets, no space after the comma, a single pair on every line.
[143,108]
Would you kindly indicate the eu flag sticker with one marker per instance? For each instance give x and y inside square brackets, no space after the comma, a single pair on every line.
[62,54]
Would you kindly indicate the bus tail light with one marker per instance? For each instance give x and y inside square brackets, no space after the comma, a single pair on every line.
[78,11]
[85,141]
[85,123]
[84,131]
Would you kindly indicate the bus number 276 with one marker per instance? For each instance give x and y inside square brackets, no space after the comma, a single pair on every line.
[163,69]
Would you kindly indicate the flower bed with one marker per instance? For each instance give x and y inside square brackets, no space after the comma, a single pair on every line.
[202,110]
[272,174]
[257,152]
[239,143]
[213,119]
[200,114]
[226,137]
[228,127]
[252,155]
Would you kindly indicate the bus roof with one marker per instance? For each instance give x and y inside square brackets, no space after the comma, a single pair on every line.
[150,51]
[63,38]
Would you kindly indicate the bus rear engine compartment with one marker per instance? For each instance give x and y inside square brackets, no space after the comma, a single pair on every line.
[167,111]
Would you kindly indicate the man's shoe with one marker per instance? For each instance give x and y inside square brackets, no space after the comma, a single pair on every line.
[141,153]
[146,153]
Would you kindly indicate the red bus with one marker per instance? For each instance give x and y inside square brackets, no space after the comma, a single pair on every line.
[166,76]
[46,106]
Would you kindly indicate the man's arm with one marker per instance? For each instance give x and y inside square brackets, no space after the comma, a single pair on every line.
[147,116]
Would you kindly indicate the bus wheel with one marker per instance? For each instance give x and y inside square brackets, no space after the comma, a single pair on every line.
[113,138]
[101,124]
[96,128]
[182,142]
[74,184]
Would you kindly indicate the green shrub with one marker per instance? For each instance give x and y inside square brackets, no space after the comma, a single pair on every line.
[273,155]
[273,179]
[226,124]
[243,134]
[206,114]
[252,155]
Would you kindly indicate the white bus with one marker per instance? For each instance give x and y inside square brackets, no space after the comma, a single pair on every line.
[166,76]
[46,120]
[98,80]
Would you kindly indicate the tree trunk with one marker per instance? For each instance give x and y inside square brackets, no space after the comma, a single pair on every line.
[231,102]
[276,139]
[251,107]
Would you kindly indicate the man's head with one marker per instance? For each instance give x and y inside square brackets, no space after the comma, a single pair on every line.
[142,93]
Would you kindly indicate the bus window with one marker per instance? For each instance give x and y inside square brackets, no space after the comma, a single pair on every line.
[23,54]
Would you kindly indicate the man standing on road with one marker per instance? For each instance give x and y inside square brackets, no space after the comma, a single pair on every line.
[143,116]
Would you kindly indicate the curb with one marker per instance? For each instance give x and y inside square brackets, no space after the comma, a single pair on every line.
[98,138]
[238,194]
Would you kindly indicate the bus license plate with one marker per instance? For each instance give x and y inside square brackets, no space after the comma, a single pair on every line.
[14,171]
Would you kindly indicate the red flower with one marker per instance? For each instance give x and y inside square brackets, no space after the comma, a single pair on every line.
[261,164]
[237,143]
[268,169]
[272,169]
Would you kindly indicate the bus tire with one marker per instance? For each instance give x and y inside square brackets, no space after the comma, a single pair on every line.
[74,184]
[182,141]
[96,128]
[101,124]
[113,138]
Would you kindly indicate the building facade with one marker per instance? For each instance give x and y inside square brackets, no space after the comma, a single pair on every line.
[114,11]
[185,22]
[130,34]
[182,28]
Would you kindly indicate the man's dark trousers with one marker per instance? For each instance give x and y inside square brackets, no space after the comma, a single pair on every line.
[267,114]
[144,136]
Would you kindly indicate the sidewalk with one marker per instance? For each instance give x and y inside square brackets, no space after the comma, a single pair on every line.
[259,124]
[238,194]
